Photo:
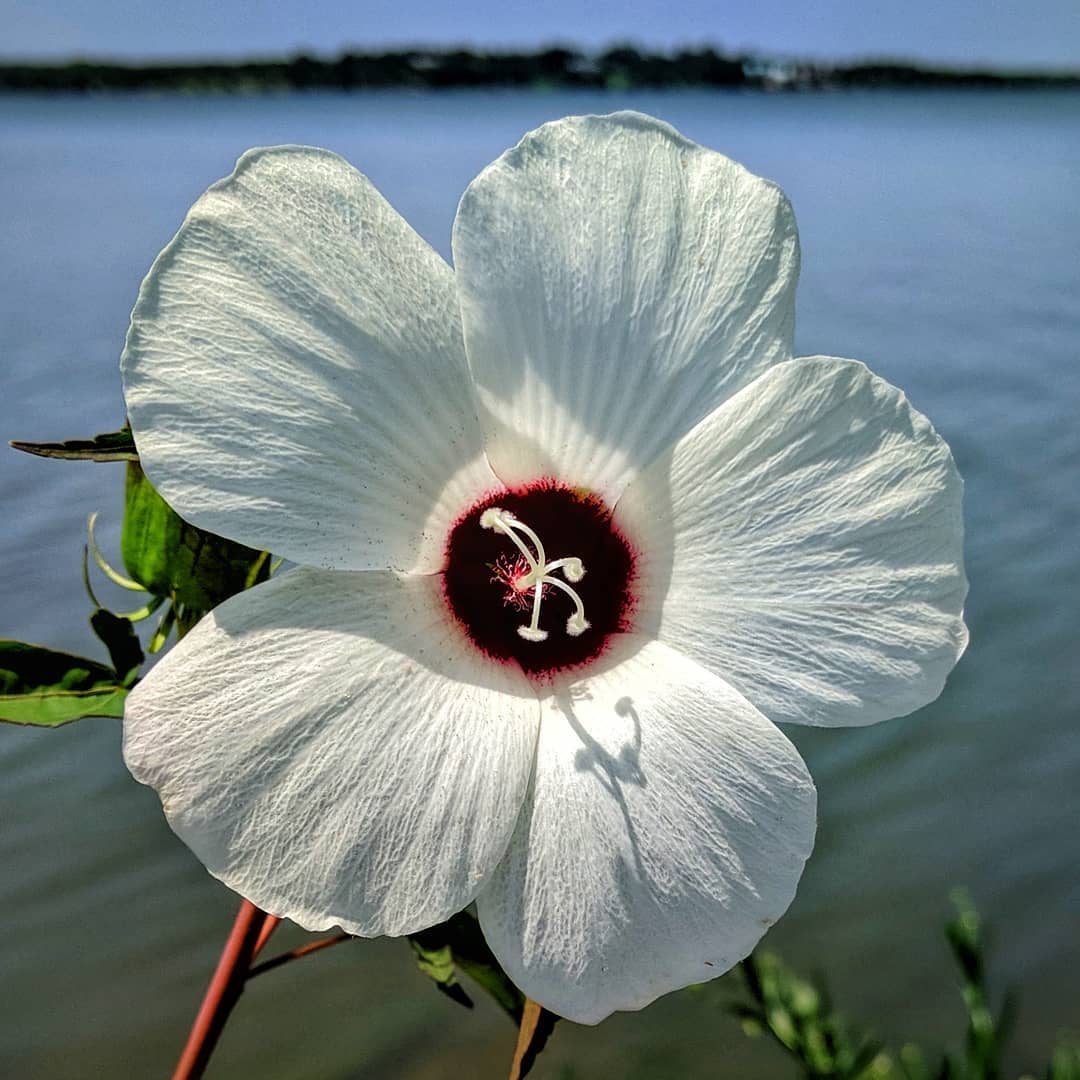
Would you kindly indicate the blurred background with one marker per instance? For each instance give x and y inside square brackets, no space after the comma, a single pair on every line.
[939,228]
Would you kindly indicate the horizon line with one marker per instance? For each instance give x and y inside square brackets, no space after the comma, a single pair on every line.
[322,56]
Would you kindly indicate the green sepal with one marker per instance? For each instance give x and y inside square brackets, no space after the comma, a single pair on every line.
[171,558]
[47,688]
[458,944]
[112,446]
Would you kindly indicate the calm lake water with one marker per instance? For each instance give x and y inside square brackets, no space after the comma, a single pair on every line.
[940,237]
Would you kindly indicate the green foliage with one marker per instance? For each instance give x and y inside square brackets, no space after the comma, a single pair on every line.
[112,446]
[118,635]
[438,965]
[985,1036]
[177,564]
[458,945]
[46,688]
[1065,1064]
[800,1018]
[194,569]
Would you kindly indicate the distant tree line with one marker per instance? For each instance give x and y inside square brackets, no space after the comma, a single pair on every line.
[619,67]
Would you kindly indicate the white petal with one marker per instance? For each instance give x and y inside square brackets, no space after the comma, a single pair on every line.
[295,372]
[805,542]
[617,283]
[330,748]
[665,831]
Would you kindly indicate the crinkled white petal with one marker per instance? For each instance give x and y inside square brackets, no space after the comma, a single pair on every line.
[331,749]
[295,373]
[805,542]
[665,830]
[617,283]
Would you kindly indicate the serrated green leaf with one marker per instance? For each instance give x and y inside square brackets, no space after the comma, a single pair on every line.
[112,446]
[171,558]
[47,688]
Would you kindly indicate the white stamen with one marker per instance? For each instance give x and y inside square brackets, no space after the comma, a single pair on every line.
[532,632]
[572,568]
[539,574]
[577,623]
[506,523]
[541,558]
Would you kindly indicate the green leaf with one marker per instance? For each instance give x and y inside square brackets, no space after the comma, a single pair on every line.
[171,558]
[112,446]
[1065,1062]
[119,637]
[964,935]
[438,964]
[113,575]
[164,629]
[799,1016]
[48,688]
[913,1063]
[462,936]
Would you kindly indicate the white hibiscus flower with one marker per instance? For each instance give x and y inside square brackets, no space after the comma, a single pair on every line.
[574,530]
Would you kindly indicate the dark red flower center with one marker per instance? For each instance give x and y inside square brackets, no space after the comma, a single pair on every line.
[539,576]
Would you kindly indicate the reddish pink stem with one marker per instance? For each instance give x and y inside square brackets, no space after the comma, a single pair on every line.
[297,953]
[270,924]
[250,932]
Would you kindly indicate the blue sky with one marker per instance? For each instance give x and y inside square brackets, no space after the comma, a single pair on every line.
[1004,32]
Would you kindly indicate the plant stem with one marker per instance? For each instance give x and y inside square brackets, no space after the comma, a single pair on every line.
[250,930]
[295,954]
[537,1025]
[270,924]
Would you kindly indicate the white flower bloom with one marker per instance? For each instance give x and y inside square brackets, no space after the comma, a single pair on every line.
[574,531]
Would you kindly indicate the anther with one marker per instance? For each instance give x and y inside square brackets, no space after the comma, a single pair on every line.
[572,568]
[539,573]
